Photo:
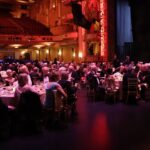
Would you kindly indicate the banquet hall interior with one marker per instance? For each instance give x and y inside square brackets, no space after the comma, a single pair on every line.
[74,74]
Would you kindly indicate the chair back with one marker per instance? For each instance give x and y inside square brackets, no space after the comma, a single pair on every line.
[110,84]
[132,88]
[132,84]
[50,99]
[53,100]
[58,103]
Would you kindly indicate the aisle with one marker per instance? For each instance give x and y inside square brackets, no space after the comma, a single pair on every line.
[99,126]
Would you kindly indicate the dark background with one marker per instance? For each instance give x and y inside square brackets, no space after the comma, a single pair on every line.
[140,18]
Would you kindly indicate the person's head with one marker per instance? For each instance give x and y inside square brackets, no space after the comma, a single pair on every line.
[64,76]
[45,70]
[29,65]
[23,69]
[9,72]
[122,69]
[54,76]
[93,67]
[36,69]
[30,103]
[109,71]
[71,68]
[62,69]
[22,79]
[129,69]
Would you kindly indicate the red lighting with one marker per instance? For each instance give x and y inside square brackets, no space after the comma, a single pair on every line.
[104,29]
[100,133]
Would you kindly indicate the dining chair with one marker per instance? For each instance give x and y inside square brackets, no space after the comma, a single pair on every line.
[111,94]
[55,106]
[132,88]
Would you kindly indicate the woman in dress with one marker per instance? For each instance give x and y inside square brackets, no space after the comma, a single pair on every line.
[52,86]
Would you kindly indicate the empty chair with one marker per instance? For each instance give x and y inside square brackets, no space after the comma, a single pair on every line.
[111,95]
[132,88]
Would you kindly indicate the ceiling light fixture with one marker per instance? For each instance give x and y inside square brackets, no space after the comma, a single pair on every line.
[15,45]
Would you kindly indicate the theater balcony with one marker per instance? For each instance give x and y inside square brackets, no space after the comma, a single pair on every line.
[22,26]
[60,30]
[63,25]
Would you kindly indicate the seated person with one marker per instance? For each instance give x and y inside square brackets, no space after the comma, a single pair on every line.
[51,86]
[3,75]
[71,92]
[110,80]
[10,79]
[35,75]
[147,79]
[118,76]
[73,76]
[67,86]
[92,80]
[5,121]
[22,86]
[24,69]
[29,111]
[144,83]
[45,74]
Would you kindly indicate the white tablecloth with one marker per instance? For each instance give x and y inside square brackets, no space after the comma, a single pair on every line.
[7,93]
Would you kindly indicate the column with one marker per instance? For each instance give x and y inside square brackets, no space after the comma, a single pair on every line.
[103,30]
[81,39]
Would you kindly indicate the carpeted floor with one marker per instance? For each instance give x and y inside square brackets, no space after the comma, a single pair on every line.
[99,126]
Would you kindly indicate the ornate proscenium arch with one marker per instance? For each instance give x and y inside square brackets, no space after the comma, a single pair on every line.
[98,10]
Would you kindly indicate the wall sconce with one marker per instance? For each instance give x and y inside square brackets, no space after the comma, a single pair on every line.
[74,54]
[37,52]
[80,55]
[47,51]
[59,52]
[47,54]
[23,52]
[54,5]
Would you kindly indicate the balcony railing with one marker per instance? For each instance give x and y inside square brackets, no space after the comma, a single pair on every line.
[33,39]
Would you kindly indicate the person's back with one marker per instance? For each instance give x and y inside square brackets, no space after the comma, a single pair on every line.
[70,90]
[147,79]
[51,86]
[128,74]
[67,86]
[29,111]
[5,121]
[22,86]
[92,80]
[30,104]
[110,82]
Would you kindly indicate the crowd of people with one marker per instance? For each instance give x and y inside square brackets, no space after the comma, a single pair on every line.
[66,79]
